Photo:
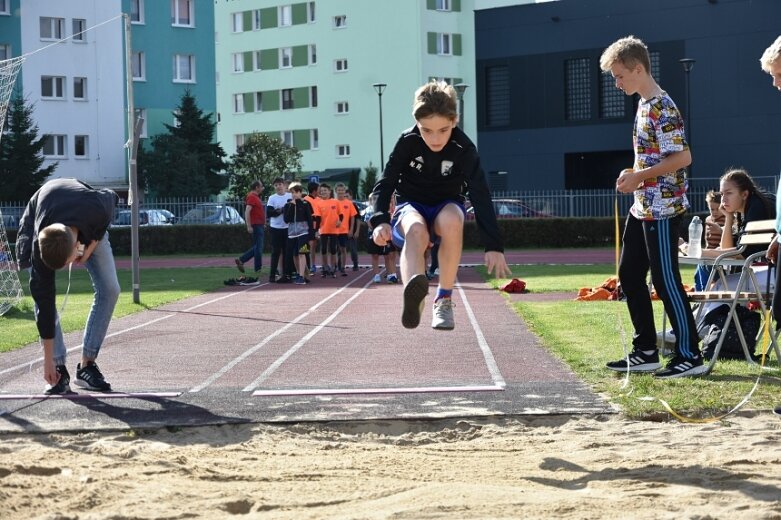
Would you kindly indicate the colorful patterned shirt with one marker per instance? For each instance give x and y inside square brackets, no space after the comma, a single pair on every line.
[659,132]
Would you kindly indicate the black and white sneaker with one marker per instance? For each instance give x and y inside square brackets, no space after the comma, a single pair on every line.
[90,378]
[777,411]
[414,298]
[682,367]
[639,361]
[63,386]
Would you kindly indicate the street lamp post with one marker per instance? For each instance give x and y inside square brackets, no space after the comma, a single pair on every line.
[688,65]
[380,88]
[460,88]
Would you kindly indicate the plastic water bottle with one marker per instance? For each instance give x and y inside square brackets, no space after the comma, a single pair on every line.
[695,238]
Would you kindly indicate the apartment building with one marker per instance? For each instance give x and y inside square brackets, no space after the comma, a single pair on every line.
[305,72]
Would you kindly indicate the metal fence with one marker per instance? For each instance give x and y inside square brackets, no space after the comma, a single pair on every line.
[558,203]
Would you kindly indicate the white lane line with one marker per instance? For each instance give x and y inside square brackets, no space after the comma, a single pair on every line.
[490,362]
[94,395]
[221,372]
[274,366]
[30,364]
[391,390]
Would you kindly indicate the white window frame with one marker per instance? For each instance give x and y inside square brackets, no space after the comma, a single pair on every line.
[79,34]
[5,51]
[312,54]
[340,21]
[444,44]
[342,108]
[314,139]
[83,82]
[256,20]
[284,15]
[59,143]
[178,78]
[340,65]
[310,12]
[140,58]
[238,103]
[238,62]
[237,22]
[5,7]
[258,101]
[286,136]
[285,55]
[444,5]
[256,61]
[240,139]
[140,14]
[342,150]
[141,113]
[56,27]
[176,14]
[57,87]
[76,139]
[282,99]
[313,95]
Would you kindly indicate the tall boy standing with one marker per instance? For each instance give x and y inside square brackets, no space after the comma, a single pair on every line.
[428,170]
[255,217]
[658,181]
[771,63]
[275,207]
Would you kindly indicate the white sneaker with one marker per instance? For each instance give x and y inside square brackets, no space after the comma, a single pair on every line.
[377,279]
[443,314]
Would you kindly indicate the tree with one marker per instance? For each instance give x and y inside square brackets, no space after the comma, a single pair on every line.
[20,154]
[262,158]
[186,161]
[369,180]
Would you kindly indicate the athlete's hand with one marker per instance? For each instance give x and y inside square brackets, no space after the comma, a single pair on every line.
[772,252]
[382,235]
[626,182]
[50,373]
[495,262]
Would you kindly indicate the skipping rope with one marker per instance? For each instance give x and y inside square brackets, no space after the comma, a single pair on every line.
[687,419]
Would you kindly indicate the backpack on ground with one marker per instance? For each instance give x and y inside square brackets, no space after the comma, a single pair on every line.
[713,324]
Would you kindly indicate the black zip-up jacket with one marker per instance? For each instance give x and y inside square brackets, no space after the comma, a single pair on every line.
[60,201]
[417,174]
[295,212]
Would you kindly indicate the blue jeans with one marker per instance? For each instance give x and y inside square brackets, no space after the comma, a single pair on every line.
[257,248]
[103,273]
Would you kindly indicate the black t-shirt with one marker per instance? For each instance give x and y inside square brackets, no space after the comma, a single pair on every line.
[755,209]
[61,201]
[418,174]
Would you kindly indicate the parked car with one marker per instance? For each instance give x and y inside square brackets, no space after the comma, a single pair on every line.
[212,213]
[509,208]
[146,217]
[172,219]
[11,216]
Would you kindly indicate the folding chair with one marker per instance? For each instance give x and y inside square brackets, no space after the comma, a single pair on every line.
[748,289]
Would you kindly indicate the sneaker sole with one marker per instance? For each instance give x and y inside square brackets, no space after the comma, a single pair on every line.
[66,390]
[694,372]
[414,294]
[443,327]
[87,386]
[648,367]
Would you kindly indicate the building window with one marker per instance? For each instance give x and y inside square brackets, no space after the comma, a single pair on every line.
[285,57]
[342,107]
[237,22]
[80,88]
[256,20]
[238,103]
[497,96]
[314,139]
[310,12]
[53,87]
[54,146]
[182,13]
[5,6]
[444,46]
[239,141]
[312,54]
[284,16]
[256,61]
[343,150]
[612,101]
[79,26]
[5,52]
[578,89]
[340,21]
[141,114]
[138,66]
[258,101]
[80,146]
[286,136]
[340,65]
[184,68]
[287,98]
[313,96]
[136,11]
[443,5]
[52,28]
[238,62]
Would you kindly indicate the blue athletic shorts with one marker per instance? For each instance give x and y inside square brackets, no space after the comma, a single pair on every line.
[429,214]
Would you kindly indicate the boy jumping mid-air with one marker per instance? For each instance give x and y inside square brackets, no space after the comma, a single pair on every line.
[431,166]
